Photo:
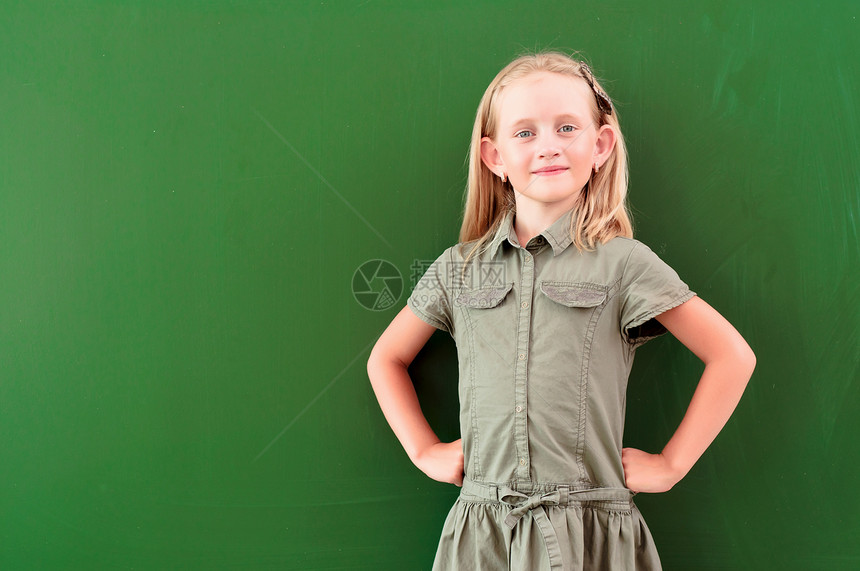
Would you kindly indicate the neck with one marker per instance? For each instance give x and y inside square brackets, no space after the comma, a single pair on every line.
[532,218]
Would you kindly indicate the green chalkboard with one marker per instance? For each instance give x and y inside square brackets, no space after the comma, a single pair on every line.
[189,190]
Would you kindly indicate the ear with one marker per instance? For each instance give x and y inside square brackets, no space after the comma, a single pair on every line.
[604,144]
[491,157]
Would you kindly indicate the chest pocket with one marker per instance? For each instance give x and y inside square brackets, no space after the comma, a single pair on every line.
[483,297]
[486,323]
[573,294]
[574,313]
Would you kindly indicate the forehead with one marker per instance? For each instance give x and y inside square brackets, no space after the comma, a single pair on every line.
[547,94]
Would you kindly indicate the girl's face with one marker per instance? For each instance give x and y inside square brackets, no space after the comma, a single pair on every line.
[547,141]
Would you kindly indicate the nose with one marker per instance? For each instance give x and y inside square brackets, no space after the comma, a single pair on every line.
[549,152]
[549,149]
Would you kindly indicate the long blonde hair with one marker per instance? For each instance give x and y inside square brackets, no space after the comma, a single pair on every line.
[600,211]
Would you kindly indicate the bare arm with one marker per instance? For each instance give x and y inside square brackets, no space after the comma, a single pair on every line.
[729,363]
[387,370]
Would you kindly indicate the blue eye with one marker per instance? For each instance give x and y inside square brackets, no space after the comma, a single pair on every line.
[567,128]
[523,134]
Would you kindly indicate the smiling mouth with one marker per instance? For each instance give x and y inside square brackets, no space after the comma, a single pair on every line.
[549,171]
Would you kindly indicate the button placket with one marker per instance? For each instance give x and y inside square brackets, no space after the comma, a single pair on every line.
[521,437]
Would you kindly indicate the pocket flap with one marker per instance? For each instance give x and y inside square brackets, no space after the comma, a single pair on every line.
[574,295]
[484,297]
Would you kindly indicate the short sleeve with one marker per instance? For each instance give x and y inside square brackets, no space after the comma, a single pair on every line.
[429,299]
[648,288]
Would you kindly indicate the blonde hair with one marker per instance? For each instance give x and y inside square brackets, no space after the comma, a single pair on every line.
[600,212]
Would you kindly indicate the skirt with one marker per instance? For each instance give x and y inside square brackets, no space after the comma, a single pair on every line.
[546,527]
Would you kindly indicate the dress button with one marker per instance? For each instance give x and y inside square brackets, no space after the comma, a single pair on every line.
[522,462]
[519,409]
[522,356]
[525,304]
[528,257]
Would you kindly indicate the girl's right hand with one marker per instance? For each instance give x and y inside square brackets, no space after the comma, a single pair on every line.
[443,462]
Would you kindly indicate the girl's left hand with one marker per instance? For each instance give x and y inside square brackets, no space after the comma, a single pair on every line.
[644,472]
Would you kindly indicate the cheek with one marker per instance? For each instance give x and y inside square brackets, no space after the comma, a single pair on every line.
[517,157]
[581,162]
[581,152]
[518,164]
[581,159]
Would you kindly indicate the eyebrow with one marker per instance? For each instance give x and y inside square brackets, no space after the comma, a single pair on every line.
[562,117]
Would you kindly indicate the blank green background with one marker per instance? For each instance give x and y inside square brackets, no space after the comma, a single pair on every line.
[186,190]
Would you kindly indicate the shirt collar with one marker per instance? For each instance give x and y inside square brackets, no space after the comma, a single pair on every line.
[557,235]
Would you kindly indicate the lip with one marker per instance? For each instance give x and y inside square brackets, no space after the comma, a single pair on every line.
[550,170]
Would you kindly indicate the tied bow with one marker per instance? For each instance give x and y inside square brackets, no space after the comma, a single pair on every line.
[523,503]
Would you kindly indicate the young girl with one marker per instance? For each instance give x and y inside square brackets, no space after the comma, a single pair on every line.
[547,296]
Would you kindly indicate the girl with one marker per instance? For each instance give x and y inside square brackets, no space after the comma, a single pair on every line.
[547,297]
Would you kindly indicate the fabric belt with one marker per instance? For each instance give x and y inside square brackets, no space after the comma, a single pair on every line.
[618,498]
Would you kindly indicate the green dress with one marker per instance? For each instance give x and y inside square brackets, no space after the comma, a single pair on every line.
[545,340]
